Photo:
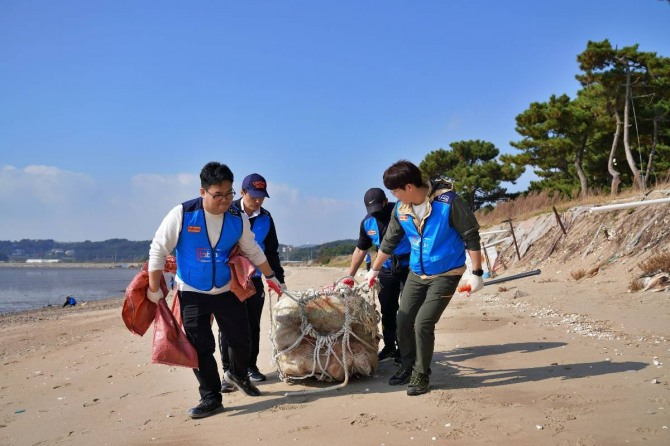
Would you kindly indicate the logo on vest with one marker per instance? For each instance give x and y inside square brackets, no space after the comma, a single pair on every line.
[193,229]
[403,217]
[446,197]
[204,255]
[372,232]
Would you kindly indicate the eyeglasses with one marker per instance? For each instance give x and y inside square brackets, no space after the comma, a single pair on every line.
[227,196]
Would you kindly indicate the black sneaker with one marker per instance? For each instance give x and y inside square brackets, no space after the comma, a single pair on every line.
[401,376]
[386,354]
[226,387]
[255,375]
[418,384]
[206,408]
[242,384]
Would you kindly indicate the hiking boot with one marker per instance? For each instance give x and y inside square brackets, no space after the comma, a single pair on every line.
[387,354]
[401,376]
[242,384]
[418,384]
[255,375]
[206,408]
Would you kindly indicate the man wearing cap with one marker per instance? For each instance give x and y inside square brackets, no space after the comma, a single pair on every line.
[394,271]
[254,192]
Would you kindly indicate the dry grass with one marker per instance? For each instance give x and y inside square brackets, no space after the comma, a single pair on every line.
[579,274]
[658,263]
[636,285]
[536,203]
[593,271]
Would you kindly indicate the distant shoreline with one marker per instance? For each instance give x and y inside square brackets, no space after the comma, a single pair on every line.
[69,265]
[57,311]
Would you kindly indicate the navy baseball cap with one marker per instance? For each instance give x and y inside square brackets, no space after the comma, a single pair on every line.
[374,200]
[255,185]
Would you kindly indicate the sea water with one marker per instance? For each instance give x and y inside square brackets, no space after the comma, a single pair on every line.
[28,288]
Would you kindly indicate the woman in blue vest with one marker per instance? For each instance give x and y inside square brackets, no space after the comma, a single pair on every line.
[202,233]
[254,193]
[393,271]
[440,228]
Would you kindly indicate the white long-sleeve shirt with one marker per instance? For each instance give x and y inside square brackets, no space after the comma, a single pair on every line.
[166,238]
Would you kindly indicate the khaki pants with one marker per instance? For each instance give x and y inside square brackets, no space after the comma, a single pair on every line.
[422,303]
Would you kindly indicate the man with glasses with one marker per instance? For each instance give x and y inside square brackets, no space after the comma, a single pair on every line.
[202,232]
[254,193]
[440,228]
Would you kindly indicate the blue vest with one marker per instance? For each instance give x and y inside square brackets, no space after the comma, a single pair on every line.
[200,265]
[372,230]
[260,226]
[439,247]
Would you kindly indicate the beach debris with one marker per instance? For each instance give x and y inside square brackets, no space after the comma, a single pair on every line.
[539,427]
[655,381]
[328,334]
[658,282]
[19,410]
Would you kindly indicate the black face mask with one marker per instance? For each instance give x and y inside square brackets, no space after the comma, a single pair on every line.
[377,214]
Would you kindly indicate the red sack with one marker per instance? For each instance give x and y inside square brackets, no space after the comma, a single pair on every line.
[170,345]
[241,271]
[176,310]
[138,312]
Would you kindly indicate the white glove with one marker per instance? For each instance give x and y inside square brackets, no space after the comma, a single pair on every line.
[274,284]
[476,283]
[155,296]
[283,287]
[371,277]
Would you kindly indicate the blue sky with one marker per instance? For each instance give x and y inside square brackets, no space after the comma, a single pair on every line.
[109,109]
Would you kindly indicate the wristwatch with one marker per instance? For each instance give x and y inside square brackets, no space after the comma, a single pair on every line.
[478,272]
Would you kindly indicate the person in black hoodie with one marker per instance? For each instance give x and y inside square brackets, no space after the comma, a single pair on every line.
[254,192]
[392,274]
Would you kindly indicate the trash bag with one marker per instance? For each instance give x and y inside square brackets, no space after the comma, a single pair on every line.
[170,344]
[241,271]
[138,312]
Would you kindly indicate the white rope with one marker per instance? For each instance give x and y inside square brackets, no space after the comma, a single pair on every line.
[324,343]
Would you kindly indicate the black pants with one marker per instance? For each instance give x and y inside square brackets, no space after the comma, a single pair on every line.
[231,316]
[391,286]
[254,312]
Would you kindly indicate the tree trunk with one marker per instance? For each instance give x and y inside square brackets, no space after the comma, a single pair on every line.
[637,175]
[614,190]
[653,151]
[578,166]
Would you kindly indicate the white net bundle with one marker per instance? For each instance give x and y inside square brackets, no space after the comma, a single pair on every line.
[329,334]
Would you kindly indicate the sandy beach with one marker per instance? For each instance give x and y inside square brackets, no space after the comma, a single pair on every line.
[542,360]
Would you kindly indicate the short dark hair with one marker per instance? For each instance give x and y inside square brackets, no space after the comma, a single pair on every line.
[214,173]
[402,173]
